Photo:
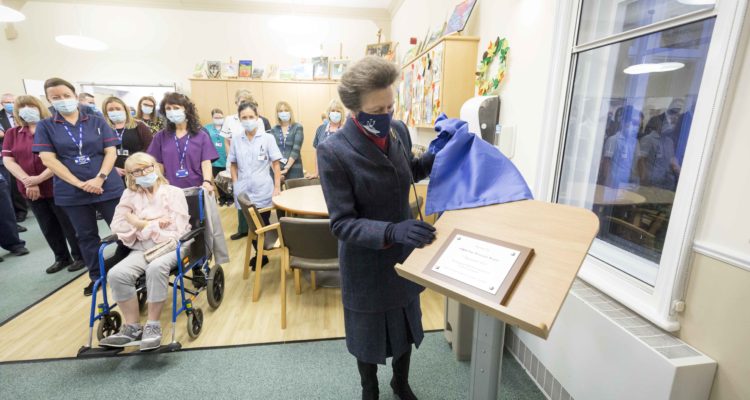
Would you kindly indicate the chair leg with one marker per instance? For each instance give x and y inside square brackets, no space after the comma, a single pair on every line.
[312,280]
[282,290]
[248,249]
[258,270]
[297,286]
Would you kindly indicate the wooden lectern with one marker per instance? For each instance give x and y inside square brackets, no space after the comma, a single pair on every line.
[560,236]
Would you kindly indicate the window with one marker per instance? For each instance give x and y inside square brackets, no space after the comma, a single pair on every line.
[643,90]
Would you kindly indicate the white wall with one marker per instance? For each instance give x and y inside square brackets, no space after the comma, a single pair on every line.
[153,45]
[524,24]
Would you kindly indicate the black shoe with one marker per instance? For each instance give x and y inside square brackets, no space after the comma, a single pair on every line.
[1,259]
[77,265]
[20,217]
[57,266]
[88,289]
[20,228]
[402,391]
[400,380]
[238,236]
[20,251]
[99,215]
[254,259]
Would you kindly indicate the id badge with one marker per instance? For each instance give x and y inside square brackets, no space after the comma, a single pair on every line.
[262,157]
[284,160]
[123,152]
[181,173]
[82,160]
[219,144]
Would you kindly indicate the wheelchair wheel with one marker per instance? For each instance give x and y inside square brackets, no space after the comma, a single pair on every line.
[195,323]
[108,325]
[215,290]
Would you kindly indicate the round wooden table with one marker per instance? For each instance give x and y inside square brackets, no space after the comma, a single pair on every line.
[305,200]
[308,200]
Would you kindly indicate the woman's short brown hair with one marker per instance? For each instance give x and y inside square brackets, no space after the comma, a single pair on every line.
[139,113]
[52,82]
[28,101]
[366,75]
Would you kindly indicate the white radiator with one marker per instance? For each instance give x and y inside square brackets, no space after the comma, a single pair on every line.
[599,349]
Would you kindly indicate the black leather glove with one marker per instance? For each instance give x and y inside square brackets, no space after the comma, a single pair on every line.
[411,232]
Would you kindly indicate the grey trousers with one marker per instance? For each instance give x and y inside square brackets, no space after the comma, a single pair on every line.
[122,276]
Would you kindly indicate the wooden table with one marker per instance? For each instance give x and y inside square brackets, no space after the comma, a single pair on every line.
[560,236]
[305,200]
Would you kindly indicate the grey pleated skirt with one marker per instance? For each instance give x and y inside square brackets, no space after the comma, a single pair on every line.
[373,337]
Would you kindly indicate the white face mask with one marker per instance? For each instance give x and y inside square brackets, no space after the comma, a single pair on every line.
[285,116]
[117,116]
[147,110]
[176,116]
[250,124]
[334,116]
[218,121]
[29,114]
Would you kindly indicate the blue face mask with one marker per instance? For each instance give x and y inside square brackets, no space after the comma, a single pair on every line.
[285,116]
[147,110]
[146,181]
[29,114]
[117,116]
[176,116]
[8,107]
[334,116]
[375,124]
[67,106]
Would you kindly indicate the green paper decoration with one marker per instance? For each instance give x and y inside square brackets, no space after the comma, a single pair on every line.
[496,52]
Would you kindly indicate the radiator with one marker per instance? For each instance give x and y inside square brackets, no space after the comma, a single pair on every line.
[598,349]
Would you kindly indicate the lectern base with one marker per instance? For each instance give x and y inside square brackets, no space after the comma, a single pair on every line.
[486,357]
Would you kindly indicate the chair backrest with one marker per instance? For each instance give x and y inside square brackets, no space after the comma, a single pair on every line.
[194,198]
[250,212]
[299,182]
[309,238]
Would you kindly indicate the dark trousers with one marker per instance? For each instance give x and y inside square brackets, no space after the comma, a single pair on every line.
[20,207]
[87,230]
[9,239]
[56,228]
[266,217]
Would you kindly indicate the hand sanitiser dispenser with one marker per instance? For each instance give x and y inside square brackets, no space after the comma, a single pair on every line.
[482,114]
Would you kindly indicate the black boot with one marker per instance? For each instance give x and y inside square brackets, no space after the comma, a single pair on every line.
[400,381]
[368,373]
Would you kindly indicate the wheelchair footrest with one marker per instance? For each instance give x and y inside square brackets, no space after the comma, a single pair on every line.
[169,348]
[94,352]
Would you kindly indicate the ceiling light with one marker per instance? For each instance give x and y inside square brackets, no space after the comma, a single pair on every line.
[81,42]
[8,14]
[647,68]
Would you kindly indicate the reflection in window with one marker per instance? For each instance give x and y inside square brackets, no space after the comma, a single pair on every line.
[602,18]
[628,126]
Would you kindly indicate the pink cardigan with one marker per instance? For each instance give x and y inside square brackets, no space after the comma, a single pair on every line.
[168,202]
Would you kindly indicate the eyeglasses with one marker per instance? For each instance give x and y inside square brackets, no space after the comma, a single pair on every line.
[673,111]
[142,171]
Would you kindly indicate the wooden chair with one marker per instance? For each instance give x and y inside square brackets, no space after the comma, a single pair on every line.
[309,245]
[270,240]
[299,182]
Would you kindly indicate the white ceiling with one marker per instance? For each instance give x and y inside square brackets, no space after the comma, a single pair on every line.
[384,4]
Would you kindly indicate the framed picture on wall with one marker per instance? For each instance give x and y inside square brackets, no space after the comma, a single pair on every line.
[379,49]
[320,67]
[460,16]
[246,68]
[338,67]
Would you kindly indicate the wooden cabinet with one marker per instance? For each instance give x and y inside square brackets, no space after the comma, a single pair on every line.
[440,79]
[309,99]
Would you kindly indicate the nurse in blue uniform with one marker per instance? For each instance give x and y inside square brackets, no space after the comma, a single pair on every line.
[81,150]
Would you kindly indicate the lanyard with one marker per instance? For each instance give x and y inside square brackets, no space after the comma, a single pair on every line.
[119,134]
[79,143]
[184,151]
[283,137]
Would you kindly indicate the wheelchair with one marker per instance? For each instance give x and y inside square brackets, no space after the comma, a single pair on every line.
[204,278]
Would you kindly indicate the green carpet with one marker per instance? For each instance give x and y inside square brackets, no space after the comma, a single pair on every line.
[24,281]
[306,370]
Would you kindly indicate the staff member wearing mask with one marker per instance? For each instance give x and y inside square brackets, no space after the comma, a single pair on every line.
[134,136]
[220,164]
[81,151]
[250,158]
[289,137]
[233,128]
[89,101]
[8,121]
[146,113]
[332,123]
[34,180]
[183,148]
[366,172]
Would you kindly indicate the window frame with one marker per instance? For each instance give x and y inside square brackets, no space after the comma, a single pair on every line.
[659,303]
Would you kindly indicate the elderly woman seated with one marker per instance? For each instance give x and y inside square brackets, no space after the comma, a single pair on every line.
[151,215]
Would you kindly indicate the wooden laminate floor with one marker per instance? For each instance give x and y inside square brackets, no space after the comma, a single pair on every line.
[58,326]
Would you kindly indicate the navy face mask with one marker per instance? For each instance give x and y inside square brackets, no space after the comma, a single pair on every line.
[375,124]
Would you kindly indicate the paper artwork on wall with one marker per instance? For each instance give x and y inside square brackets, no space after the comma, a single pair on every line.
[257,73]
[418,98]
[272,72]
[198,69]
[338,67]
[320,67]
[491,70]
[229,70]
[246,69]
[213,69]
